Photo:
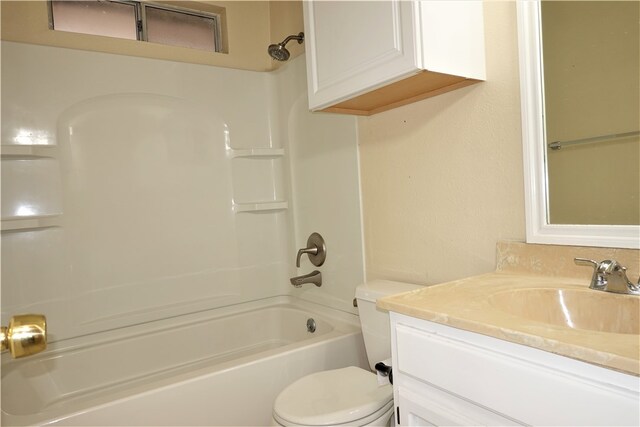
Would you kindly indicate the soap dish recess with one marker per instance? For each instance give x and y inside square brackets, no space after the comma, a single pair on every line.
[260,206]
[266,153]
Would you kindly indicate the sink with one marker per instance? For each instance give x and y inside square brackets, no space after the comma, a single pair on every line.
[574,308]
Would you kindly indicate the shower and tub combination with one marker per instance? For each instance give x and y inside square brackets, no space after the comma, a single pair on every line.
[225,367]
[154,220]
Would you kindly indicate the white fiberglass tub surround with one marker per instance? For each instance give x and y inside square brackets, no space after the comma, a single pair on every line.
[154,220]
[223,367]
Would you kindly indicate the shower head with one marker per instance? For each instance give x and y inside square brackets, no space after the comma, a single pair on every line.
[279,52]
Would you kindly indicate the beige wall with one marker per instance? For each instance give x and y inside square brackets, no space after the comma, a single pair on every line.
[592,63]
[442,179]
[250,29]
[286,19]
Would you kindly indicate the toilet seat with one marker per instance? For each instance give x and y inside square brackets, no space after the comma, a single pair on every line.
[347,396]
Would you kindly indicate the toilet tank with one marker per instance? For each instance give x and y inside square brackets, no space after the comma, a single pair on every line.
[374,321]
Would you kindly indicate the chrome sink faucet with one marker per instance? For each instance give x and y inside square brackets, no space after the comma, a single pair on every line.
[610,276]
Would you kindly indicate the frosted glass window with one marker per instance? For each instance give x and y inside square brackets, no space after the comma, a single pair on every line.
[180,29]
[101,18]
[135,20]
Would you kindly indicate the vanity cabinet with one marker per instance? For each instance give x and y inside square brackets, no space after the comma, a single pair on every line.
[449,376]
[364,57]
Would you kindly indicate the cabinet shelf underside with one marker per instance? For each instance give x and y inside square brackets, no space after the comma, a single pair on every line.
[423,85]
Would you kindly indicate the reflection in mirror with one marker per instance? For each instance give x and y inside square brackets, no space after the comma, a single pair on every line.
[591,113]
[591,57]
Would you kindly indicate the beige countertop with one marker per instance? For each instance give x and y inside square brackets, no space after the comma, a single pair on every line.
[486,304]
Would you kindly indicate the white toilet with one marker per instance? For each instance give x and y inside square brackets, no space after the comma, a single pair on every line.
[348,396]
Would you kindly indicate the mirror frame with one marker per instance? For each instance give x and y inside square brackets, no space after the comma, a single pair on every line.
[538,229]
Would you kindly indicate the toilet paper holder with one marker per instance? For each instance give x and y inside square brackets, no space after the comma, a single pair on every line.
[385,370]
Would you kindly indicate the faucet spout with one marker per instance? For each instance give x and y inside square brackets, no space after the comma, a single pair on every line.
[314,277]
[610,276]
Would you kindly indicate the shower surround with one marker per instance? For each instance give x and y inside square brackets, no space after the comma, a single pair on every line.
[137,190]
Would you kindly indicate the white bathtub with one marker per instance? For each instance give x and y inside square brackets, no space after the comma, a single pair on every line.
[222,367]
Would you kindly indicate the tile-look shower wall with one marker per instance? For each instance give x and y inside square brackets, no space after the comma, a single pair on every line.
[150,208]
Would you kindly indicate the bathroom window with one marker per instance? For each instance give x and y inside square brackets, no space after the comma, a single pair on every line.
[133,20]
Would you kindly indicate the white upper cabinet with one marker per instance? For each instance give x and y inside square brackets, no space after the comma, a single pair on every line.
[364,57]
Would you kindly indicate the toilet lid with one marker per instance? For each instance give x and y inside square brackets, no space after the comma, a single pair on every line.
[339,396]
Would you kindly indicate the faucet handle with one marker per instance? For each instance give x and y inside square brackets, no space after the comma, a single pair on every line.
[312,250]
[610,275]
[598,281]
[608,266]
[316,249]
[587,262]
[597,266]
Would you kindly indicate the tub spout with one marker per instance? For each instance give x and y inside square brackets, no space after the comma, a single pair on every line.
[314,277]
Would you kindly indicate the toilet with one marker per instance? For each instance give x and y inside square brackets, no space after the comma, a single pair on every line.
[348,396]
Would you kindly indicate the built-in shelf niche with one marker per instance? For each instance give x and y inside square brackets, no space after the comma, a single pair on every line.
[258,180]
[260,206]
[31,189]
[256,153]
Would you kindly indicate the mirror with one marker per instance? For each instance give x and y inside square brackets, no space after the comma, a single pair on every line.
[586,86]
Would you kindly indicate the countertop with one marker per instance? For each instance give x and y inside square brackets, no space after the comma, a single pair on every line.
[467,304]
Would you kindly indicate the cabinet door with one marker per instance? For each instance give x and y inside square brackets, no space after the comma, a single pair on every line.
[355,46]
[512,381]
[423,405]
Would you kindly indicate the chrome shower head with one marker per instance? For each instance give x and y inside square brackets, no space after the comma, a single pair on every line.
[279,52]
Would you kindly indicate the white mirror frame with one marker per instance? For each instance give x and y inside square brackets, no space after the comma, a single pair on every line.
[534,151]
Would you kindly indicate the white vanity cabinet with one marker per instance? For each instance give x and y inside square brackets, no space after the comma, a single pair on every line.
[364,57]
[449,376]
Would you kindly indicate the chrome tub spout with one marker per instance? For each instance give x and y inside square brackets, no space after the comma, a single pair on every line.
[314,277]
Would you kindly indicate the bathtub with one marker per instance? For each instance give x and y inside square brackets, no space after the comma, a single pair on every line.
[222,367]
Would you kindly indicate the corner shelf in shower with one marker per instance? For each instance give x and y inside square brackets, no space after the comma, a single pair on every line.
[260,206]
[32,190]
[30,223]
[256,153]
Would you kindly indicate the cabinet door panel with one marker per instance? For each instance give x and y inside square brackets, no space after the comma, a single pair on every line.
[423,405]
[523,389]
[355,46]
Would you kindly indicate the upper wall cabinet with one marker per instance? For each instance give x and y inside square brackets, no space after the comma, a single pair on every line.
[364,57]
